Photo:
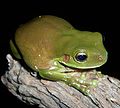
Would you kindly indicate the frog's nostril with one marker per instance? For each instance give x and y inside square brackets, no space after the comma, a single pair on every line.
[100,58]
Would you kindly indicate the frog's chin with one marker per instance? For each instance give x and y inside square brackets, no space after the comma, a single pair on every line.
[75,69]
[90,67]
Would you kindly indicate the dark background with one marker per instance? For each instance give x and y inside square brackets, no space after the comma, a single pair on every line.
[100,16]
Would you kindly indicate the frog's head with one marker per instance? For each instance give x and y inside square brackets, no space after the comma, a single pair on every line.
[84,51]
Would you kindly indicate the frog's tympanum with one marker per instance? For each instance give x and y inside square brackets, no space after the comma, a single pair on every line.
[57,51]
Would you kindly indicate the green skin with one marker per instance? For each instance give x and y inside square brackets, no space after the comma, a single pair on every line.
[50,45]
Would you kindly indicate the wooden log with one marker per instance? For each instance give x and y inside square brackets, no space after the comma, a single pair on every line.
[49,94]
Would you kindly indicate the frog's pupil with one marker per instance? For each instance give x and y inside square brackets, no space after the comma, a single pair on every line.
[81,57]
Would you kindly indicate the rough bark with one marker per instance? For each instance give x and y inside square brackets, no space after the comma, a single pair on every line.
[49,94]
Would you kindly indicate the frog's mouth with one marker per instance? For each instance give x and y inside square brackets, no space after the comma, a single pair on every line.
[68,69]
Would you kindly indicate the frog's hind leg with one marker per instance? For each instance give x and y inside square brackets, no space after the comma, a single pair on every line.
[14,50]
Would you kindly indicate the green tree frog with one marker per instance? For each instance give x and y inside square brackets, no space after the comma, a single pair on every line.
[56,50]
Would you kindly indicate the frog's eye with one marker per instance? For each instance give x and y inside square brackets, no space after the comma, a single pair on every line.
[81,57]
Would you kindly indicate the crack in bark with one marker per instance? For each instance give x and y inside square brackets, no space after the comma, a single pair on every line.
[112,82]
[55,97]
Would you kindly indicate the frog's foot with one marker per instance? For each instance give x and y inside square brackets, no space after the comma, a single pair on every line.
[84,81]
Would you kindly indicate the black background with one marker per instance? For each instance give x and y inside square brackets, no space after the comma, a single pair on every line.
[100,16]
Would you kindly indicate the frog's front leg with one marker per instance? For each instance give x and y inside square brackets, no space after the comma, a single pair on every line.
[84,81]
[80,81]
[54,75]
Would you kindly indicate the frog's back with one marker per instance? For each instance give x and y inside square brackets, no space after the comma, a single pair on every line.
[36,38]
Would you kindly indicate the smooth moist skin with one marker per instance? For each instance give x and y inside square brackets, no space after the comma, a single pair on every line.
[54,48]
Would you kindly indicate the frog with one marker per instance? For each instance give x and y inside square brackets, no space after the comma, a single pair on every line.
[57,51]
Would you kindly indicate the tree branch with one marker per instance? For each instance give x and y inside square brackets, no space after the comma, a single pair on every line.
[49,94]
